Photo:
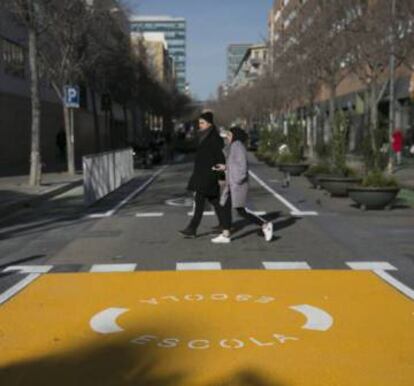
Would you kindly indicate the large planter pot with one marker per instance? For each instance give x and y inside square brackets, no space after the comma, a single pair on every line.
[293,169]
[313,179]
[373,198]
[338,186]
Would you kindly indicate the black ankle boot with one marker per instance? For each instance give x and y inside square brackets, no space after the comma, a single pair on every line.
[188,232]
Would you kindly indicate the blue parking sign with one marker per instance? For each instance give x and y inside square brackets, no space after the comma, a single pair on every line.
[72,96]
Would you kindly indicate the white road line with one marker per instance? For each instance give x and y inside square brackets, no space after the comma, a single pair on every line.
[154,214]
[29,268]
[371,266]
[395,283]
[137,191]
[205,213]
[12,291]
[288,265]
[113,268]
[380,269]
[211,213]
[294,211]
[205,266]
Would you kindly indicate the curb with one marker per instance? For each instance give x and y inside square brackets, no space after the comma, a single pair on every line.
[4,211]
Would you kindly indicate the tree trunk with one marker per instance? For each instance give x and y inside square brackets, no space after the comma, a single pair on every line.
[373,124]
[332,99]
[96,121]
[35,156]
[310,132]
[126,126]
[70,148]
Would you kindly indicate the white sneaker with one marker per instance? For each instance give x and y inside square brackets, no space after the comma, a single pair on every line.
[268,231]
[221,239]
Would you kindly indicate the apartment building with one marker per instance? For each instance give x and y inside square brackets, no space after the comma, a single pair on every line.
[235,55]
[252,66]
[159,62]
[175,32]
[287,14]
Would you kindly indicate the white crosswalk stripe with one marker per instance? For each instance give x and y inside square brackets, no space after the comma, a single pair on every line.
[288,265]
[107,268]
[202,266]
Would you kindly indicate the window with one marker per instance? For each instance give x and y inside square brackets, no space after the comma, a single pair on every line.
[13,58]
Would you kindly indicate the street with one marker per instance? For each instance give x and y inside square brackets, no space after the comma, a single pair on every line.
[116,282]
[61,232]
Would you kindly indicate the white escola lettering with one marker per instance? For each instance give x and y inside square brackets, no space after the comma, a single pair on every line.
[152,301]
[194,298]
[219,296]
[265,299]
[283,338]
[243,298]
[225,343]
[144,339]
[199,344]
[261,344]
[169,343]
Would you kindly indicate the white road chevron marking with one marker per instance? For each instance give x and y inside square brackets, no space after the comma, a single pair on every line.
[104,322]
[316,318]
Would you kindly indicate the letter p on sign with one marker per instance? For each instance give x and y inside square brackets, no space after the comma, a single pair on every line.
[72,96]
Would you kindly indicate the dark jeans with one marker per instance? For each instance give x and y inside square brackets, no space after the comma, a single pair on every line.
[242,212]
[250,216]
[221,212]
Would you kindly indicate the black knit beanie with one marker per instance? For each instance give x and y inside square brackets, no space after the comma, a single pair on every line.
[208,117]
[238,134]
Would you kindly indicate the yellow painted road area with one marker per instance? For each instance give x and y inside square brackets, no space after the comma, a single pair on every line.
[222,328]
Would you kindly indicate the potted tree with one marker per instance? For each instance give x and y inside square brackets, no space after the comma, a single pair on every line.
[340,176]
[269,143]
[315,172]
[290,159]
[378,189]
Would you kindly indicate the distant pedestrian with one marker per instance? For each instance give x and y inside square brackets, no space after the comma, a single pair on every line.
[235,192]
[284,149]
[204,180]
[61,144]
[397,144]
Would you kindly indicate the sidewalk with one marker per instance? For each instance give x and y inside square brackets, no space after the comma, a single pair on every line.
[16,193]
[405,174]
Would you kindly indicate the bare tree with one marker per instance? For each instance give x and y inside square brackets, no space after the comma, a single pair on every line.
[64,54]
[371,32]
[28,12]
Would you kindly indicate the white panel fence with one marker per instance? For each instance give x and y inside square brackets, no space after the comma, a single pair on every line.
[105,172]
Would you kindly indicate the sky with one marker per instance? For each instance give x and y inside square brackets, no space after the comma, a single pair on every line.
[211,26]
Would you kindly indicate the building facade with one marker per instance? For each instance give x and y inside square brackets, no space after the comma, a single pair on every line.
[175,32]
[286,15]
[235,55]
[158,60]
[15,111]
[252,66]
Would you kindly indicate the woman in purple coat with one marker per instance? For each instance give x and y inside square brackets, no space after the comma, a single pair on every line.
[234,194]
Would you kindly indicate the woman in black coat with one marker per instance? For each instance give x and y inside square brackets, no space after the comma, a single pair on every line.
[204,180]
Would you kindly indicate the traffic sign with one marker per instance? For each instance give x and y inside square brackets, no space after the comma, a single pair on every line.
[72,96]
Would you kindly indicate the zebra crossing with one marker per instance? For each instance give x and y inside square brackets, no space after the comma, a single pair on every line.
[189,266]
[30,273]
